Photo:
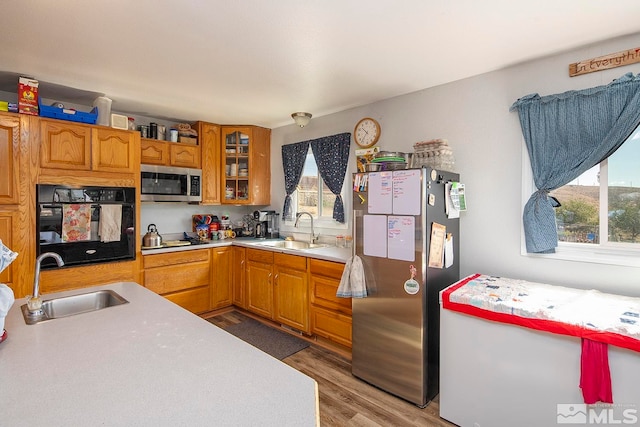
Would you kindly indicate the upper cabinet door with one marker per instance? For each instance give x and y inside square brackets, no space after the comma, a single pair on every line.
[9,159]
[154,152]
[184,155]
[209,135]
[115,150]
[247,165]
[65,145]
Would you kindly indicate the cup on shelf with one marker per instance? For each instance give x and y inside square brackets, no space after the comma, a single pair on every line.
[234,170]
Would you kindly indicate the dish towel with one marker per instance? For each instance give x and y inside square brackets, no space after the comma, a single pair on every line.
[110,224]
[595,377]
[76,222]
[352,283]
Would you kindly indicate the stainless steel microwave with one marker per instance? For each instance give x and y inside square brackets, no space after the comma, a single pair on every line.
[170,184]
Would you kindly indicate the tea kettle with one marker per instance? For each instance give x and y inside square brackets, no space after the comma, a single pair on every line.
[152,239]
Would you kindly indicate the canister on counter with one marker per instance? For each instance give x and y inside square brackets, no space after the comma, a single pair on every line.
[153,130]
[162,130]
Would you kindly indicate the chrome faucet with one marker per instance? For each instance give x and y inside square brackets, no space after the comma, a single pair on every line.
[34,303]
[313,237]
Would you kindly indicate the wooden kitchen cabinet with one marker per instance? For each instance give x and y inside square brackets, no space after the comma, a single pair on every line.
[277,287]
[155,152]
[259,286]
[182,277]
[9,158]
[114,150]
[209,136]
[330,315]
[238,276]
[291,291]
[74,146]
[221,277]
[8,223]
[17,219]
[246,165]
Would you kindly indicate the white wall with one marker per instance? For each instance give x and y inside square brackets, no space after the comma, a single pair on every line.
[473,114]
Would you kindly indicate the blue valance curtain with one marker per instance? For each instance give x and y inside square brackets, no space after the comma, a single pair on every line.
[332,156]
[567,134]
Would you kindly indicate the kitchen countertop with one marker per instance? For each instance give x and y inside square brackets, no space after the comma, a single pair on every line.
[148,362]
[327,253]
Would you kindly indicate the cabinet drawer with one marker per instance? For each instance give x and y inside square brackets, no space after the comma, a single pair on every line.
[174,278]
[173,258]
[326,268]
[323,293]
[331,325]
[194,300]
[295,262]
[260,256]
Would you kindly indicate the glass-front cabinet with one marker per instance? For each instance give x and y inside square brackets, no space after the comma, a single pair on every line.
[236,166]
[246,162]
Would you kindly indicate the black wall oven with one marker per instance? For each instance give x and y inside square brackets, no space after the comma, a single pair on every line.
[86,225]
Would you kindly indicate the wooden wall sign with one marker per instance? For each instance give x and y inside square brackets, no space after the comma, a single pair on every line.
[600,63]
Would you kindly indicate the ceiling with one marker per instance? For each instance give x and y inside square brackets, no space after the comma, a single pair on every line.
[258,61]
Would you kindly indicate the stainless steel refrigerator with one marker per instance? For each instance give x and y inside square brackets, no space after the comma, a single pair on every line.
[399,221]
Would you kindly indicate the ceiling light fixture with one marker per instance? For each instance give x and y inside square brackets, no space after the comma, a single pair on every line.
[301,119]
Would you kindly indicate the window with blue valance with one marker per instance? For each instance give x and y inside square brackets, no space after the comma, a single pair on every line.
[332,156]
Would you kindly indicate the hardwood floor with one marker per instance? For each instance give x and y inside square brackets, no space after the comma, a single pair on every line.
[344,399]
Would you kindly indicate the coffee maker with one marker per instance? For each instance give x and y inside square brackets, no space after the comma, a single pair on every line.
[267,225]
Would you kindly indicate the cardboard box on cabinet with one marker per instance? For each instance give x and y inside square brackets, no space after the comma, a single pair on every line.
[28,96]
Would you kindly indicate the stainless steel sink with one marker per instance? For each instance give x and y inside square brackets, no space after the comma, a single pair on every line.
[292,244]
[72,305]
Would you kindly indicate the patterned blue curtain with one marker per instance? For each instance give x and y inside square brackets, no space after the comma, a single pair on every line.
[293,157]
[332,155]
[566,135]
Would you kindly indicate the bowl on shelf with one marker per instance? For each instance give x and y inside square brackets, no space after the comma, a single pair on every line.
[373,167]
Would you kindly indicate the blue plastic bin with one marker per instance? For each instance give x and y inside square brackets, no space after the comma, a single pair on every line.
[70,115]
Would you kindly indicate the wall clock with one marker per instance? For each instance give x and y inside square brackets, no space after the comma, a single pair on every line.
[367,132]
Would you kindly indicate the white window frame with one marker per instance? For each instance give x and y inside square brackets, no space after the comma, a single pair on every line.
[618,254]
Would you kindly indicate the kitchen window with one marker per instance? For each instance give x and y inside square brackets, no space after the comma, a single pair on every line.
[599,217]
[312,195]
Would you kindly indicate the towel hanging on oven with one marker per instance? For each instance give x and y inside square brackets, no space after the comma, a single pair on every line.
[110,223]
[76,222]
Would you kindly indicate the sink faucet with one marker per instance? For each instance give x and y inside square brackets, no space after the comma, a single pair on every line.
[34,303]
[312,238]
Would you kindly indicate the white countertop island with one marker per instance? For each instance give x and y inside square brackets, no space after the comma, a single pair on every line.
[145,363]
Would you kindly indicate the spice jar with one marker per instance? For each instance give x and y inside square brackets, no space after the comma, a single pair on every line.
[348,241]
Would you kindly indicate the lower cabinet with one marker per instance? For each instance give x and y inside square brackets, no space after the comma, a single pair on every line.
[291,291]
[8,223]
[221,277]
[330,315]
[238,264]
[277,287]
[182,277]
[259,285]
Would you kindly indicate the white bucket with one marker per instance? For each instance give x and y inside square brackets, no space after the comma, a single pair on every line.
[104,110]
